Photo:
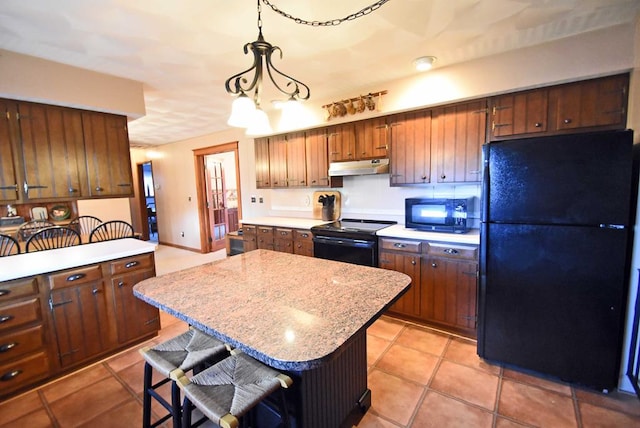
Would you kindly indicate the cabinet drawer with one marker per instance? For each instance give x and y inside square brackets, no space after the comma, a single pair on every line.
[249,229]
[265,231]
[453,251]
[74,277]
[14,289]
[18,374]
[302,235]
[401,245]
[143,261]
[21,342]
[283,233]
[14,315]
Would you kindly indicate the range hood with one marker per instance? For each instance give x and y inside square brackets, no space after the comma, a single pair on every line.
[363,167]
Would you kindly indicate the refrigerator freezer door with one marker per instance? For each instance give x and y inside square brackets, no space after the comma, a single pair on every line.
[551,300]
[572,179]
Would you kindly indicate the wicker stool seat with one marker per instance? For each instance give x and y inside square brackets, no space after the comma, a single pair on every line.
[231,388]
[192,350]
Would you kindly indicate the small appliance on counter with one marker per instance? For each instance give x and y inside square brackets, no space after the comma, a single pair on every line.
[437,215]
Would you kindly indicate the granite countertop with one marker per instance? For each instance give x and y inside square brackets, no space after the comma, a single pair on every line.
[39,262]
[293,222]
[289,311]
[399,231]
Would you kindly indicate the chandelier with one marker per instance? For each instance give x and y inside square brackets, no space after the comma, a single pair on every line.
[246,113]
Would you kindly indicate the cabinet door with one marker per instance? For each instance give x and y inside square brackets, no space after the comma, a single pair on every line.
[303,242]
[521,113]
[135,318]
[342,143]
[278,161]
[8,160]
[458,135]
[52,151]
[108,158]
[409,303]
[372,139]
[249,237]
[316,158]
[262,163]
[265,237]
[410,156]
[296,160]
[449,292]
[592,103]
[283,240]
[80,322]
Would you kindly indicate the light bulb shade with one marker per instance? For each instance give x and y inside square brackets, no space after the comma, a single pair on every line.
[291,115]
[259,124]
[242,112]
[424,63]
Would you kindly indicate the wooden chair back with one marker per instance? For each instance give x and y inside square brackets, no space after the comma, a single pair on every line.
[29,228]
[114,229]
[85,224]
[8,246]
[52,237]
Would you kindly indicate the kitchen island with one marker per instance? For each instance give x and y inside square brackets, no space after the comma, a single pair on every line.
[304,316]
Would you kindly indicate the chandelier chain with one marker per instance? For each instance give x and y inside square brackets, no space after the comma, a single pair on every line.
[332,22]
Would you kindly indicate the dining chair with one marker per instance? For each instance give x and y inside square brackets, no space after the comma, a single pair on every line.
[114,229]
[52,237]
[29,228]
[8,246]
[84,224]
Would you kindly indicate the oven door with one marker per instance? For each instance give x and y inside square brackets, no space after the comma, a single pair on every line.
[356,251]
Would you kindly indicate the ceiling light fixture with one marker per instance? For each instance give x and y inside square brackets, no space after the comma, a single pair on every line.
[246,113]
[424,63]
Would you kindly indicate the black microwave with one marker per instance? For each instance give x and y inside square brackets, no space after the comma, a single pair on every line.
[437,215]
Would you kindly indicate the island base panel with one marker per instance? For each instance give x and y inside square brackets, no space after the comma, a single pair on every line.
[334,394]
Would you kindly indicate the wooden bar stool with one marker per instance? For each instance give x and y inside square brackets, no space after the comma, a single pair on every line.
[192,350]
[230,389]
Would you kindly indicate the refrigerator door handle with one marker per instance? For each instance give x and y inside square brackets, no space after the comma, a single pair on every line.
[612,226]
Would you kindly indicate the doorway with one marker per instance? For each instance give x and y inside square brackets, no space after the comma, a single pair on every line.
[218,186]
[148,206]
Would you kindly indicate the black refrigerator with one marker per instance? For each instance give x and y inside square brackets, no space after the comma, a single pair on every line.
[554,255]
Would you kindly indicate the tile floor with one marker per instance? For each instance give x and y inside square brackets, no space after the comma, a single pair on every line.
[419,377]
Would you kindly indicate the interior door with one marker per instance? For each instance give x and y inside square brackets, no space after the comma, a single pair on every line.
[216,202]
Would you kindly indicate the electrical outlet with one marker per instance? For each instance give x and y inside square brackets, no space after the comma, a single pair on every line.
[261,200]
[253,199]
[182,234]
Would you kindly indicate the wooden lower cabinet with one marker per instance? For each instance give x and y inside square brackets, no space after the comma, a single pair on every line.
[57,322]
[444,282]
[283,239]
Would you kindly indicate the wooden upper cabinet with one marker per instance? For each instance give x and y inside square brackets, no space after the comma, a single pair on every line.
[108,159]
[457,139]
[52,151]
[262,163]
[316,158]
[372,139]
[591,103]
[296,160]
[342,142]
[8,160]
[410,138]
[521,113]
[278,161]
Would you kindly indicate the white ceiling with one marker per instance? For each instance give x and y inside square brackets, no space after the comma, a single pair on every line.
[184,50]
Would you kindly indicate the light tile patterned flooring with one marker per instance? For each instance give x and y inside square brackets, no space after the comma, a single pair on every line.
[419,377]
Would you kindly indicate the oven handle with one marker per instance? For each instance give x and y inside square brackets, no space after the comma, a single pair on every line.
[344,242]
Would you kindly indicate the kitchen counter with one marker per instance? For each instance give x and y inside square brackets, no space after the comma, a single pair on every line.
[39,262]
[292,222]
[399,231]
[302,315]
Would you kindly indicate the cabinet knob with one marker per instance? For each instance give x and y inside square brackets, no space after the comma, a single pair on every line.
[443,176]
[72,190]
[95,291]
[537,124]
[424,177]
[131,264]
[413,262]
[567,121]
[99,189]
[5,318]
[10,375]
[7,346]
[434,264]
[120,284]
